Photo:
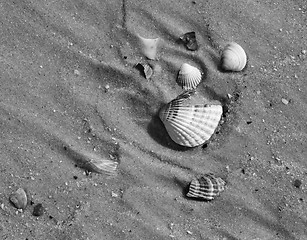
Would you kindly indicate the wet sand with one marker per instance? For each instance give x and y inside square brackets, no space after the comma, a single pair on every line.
[70,94]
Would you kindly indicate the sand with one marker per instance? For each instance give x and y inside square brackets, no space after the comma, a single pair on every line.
[70,94]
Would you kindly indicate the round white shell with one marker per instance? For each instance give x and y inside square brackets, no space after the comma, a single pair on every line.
[189,77]
[233,57]
[149,47]
[187,124]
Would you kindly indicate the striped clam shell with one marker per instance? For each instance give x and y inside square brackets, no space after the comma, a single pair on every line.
[190,124]
[206,187]
[233,57]
[189,77]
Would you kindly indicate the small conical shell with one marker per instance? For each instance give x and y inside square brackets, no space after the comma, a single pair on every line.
[190,124]
[149,47]
[188,77]
[233,57]
[206,187]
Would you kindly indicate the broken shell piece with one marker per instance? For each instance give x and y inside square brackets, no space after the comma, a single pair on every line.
[149,47]
[206,187]
[101,165]
[233,57]
[19,199]
[190,124]
[189,40]
[146,69]
[188,77]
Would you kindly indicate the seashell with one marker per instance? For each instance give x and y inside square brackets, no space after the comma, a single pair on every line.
[189,40]
[233,57]
[190,124]
[188,77]
[38,210]
[146,69]
[206,187]
[100,165]
[19,199]
[149,47]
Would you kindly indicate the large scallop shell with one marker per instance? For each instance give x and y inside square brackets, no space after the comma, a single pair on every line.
[190,124]
[189,77]
[149,47]
[233,57]
[206,187]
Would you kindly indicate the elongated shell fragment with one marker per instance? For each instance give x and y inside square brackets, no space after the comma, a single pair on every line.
[189,76]
[206,187]
[189,124]
[149,47]
[233,57]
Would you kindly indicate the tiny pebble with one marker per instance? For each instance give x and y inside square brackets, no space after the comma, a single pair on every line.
[38,210]
[304,51]
[113,194]
[19,199]
[297,183]
[76,72]
[106,88]
[284,101]
[189,232]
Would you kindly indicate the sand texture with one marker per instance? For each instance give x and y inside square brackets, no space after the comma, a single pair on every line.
[71,98]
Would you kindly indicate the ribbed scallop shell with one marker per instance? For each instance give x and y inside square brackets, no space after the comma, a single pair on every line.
[189,77]
[233,57]
[206,187]
[189,124]
[149,47]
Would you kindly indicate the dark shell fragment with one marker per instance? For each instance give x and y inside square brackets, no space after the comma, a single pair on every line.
[189,40]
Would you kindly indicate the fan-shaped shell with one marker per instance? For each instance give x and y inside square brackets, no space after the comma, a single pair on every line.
[189,77]
[190,124]
[149,47]
[233,57]
[206,187]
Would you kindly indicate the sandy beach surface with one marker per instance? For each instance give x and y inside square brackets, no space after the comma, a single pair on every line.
[71,96]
